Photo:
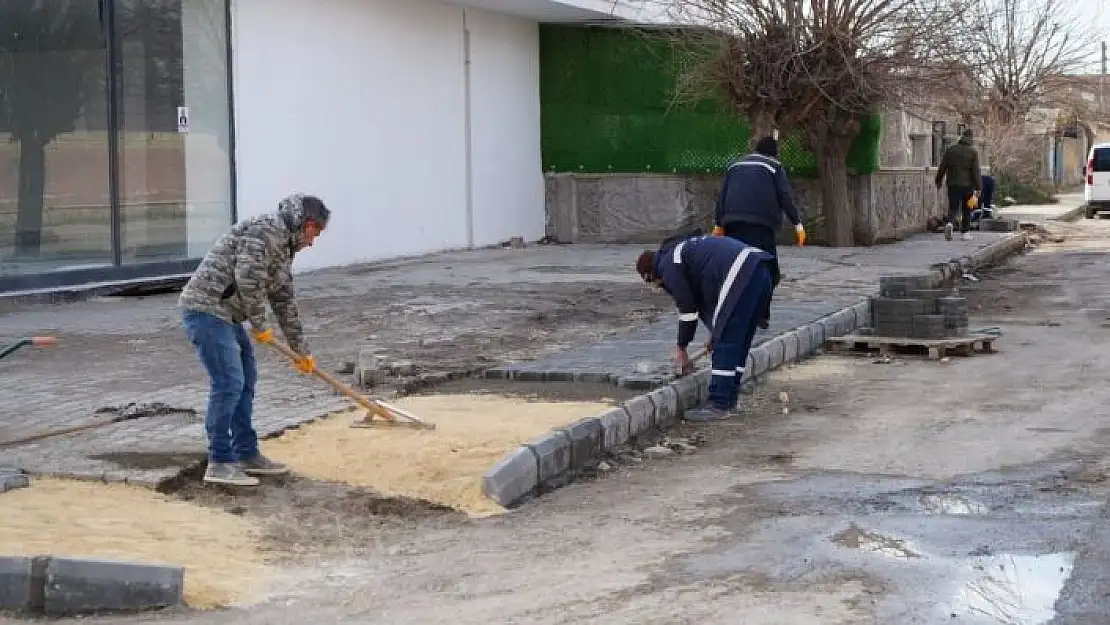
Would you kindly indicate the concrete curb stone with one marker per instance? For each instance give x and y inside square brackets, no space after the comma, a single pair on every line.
[586,437]
[666,406]
[552,453]
[88,586]
[514,479]
[641,413]
[11,479]
[616,428]
[56,586]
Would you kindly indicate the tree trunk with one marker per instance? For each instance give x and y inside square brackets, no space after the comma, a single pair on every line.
[762,125]
[32,195]
[836,205]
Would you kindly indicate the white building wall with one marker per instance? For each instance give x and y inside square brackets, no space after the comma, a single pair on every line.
[363,102]
[505,113]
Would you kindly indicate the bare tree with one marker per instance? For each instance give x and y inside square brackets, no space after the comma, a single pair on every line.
[1021,55]
[818,66]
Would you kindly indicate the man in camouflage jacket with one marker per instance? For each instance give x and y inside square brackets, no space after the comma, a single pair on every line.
[247,267]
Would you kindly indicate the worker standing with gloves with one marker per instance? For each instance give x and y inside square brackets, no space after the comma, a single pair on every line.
[754,197]
[249,266]
[724,283]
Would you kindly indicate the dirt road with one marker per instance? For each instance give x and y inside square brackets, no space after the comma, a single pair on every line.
[967,491]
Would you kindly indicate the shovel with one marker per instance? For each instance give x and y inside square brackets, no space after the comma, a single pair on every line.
[387,414]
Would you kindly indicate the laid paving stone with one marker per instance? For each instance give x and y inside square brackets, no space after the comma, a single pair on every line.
[75,587]
[513,479]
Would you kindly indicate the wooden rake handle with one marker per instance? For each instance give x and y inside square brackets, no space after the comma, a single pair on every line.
[367,403]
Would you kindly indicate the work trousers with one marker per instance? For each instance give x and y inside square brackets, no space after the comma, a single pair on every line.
[226,352]
[765,239]
[957,207]
[730,352]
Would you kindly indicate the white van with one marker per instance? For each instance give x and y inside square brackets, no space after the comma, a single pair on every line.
[1096,187]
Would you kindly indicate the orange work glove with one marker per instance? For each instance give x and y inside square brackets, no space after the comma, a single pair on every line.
[306,365]
[972,202]
[800,235]
[718,231]
[264,336]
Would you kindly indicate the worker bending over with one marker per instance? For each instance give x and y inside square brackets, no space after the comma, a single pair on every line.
[754,197]
[249,266]
[724,283]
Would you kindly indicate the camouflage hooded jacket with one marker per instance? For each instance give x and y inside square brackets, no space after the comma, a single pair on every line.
[250,265]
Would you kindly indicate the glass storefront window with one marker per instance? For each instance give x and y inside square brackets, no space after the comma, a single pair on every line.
[112,169]
[55,199]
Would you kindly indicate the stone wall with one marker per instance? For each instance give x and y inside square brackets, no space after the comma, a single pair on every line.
[644,208]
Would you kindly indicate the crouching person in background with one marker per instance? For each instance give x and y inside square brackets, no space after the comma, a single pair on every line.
[726,284]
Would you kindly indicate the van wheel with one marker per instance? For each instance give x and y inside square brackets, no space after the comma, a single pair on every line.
[1091,213]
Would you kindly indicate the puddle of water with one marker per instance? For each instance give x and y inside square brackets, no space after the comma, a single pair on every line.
[1015,589]
[952,504]
[856,537]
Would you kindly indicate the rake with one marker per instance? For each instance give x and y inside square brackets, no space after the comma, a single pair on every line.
[387,415]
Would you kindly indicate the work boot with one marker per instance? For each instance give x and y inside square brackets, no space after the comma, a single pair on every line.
[948,231]
[261,465]
[764,323]
[706,414]
[228,473]
[966,236]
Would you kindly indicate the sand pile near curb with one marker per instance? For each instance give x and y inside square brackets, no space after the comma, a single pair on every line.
[444,466]
[220,552]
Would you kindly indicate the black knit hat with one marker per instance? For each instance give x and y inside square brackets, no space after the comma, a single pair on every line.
[768,146]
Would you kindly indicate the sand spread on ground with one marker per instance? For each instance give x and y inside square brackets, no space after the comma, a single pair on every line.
[444,466]
[220,553]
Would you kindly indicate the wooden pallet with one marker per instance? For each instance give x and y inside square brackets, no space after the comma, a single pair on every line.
[935,349]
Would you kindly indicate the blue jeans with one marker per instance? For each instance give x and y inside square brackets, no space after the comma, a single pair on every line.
[226,352]
[730,354]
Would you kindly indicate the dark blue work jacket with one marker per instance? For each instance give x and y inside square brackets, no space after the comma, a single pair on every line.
[706,276]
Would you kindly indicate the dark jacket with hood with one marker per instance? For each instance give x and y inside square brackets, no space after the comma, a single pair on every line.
[706,276]
[756,191]
[249,266]
[961,165]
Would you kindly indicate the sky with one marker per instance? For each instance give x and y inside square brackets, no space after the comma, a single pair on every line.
[1098,11]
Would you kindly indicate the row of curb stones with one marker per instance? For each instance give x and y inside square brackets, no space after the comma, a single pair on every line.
[558,458]
[53,586]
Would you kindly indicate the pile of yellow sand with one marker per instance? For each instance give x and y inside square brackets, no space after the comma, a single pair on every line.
[444,466]
[116,522]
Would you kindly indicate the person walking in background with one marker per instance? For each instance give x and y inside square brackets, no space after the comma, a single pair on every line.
[754,197]
[960,166]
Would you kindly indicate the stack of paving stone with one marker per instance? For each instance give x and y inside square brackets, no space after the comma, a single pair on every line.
[909,306]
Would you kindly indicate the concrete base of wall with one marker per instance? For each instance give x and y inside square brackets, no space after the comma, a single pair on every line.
[889,205]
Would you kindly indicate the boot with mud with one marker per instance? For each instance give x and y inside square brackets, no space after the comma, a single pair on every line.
[261,465]
[228,474]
